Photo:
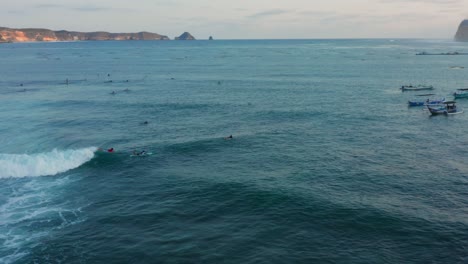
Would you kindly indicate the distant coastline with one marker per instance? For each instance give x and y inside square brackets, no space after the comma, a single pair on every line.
[10,35]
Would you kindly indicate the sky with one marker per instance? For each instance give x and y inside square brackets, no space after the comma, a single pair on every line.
[244,19]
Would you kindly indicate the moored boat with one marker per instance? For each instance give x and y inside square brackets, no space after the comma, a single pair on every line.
[416,88]
[461,93]
[430,100]
[446,108]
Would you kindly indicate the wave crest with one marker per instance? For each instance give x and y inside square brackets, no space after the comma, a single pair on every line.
[43,164]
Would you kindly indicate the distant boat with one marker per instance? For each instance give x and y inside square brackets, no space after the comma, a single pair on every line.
[461,93]
[443,53]
[429,101]
[447,108]
[416,88]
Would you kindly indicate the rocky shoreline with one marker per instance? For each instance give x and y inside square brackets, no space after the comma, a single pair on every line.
[8,35]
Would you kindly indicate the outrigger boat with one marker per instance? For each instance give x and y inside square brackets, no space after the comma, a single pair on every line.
[428,101]
[446,108]
[461,93]
[416,88]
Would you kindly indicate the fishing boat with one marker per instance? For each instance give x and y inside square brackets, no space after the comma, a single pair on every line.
[416,88]
[446,108]
[430,100]
[461,93]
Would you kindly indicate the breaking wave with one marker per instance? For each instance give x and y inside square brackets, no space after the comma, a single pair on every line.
[43,164]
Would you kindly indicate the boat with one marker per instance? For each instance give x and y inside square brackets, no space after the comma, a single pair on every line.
[429,101]
[461,93]
[416,88]
[446,108]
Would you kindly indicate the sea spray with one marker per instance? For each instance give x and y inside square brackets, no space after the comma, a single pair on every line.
[43,164]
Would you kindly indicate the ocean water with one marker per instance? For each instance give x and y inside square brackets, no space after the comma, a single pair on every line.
[327,163]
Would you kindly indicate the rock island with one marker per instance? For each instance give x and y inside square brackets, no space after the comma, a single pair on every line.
[462,32]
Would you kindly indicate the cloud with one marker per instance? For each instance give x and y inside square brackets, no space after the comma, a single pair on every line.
[46,6]
[15,12]
[268,13]
[436,2]
[90,9]
[316,13]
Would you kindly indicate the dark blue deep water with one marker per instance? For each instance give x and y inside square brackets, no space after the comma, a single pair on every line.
[327,163]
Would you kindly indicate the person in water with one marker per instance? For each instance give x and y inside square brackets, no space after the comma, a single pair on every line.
[136,153]
[145,123]
[110,150]
[228,138]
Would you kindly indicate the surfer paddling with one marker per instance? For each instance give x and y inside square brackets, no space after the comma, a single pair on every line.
[111,150]
[139,153]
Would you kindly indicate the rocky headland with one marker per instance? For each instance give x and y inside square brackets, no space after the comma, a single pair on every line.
[462,32]
[39,34]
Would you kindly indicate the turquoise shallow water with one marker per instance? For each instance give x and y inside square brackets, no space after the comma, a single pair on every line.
[327,164]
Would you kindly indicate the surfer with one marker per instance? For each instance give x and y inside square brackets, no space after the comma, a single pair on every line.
[111,150]
[139,153]
[228,138]
[113,93]
[145,123]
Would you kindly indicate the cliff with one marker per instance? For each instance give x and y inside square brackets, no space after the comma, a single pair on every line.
[462,32]
[185,36]
[39,34]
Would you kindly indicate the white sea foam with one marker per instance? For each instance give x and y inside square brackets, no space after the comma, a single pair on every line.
[42,164]
[31,211]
